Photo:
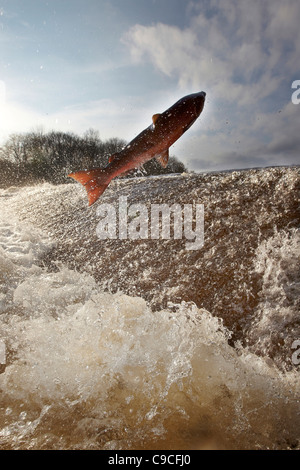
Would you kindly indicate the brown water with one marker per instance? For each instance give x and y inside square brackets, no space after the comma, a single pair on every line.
[142,344]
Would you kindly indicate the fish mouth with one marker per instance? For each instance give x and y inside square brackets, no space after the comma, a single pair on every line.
[199,102]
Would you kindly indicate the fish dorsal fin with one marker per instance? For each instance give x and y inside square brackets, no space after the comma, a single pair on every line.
[163,158]
[112,157]
[154,118]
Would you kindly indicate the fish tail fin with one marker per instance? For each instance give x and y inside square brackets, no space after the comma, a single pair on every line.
[94,181]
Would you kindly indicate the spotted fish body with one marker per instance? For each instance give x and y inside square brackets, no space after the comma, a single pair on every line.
[152,142]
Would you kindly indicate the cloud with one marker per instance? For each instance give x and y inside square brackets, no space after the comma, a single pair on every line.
[112,117]
[245,55]
[235,51]
[15,118]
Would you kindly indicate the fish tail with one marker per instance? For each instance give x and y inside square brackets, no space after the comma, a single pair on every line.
[94,181]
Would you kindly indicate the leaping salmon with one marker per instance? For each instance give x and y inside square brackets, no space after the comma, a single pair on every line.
[152,142]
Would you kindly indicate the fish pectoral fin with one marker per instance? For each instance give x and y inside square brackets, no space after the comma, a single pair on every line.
[163,158]
[154,118]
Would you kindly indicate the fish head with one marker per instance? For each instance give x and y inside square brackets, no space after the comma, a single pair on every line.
[188,109]
[198,100]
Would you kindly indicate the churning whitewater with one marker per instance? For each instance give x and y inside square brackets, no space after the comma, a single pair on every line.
[142,344]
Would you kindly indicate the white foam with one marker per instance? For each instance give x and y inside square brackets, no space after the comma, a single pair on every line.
[277,318]
[120,366]
[90,369]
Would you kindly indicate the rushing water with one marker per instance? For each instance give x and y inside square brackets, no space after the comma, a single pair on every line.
[142,344]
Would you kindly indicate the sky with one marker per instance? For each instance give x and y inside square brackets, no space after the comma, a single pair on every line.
[73,65]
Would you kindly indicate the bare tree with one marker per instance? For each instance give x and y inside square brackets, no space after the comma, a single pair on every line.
[51,156]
